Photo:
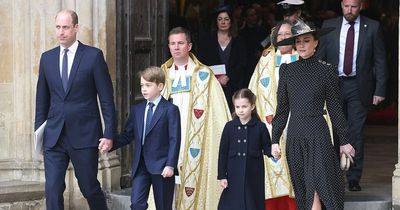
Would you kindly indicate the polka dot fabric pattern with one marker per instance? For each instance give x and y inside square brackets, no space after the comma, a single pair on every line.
[304,87]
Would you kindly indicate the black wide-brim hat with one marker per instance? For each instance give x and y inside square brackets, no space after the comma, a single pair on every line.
[301,28]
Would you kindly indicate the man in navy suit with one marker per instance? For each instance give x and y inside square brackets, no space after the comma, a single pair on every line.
[155,127]
[71,77]
[357,48]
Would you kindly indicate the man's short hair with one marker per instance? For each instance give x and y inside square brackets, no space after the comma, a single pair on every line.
[181,30]
[153,74]
[73,14]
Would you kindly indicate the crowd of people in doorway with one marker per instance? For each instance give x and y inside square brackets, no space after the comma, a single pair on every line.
[299,97]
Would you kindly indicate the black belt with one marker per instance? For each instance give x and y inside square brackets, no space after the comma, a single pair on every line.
[347,78]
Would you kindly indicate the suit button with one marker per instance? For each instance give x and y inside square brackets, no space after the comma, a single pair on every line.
[238,127]
[245,141]
[245,127]
[244,154]
[239,141]
[239,154]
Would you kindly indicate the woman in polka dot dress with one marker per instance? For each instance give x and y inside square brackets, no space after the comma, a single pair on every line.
[304,87]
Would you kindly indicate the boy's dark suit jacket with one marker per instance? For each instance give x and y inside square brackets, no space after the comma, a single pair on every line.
[162,140]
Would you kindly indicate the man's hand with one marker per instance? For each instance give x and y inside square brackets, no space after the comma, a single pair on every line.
[167,172]
[105,145]
[377,100]
[223,183]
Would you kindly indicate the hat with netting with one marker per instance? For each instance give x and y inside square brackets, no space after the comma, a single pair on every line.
[300,28]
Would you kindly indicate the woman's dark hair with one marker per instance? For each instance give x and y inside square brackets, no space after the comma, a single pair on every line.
[233,28]
[275,30]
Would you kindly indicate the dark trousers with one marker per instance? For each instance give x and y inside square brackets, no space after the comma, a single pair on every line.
[163,189]
[356,114]
[56,161]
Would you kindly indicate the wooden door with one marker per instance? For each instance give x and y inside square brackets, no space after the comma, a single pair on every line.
[141,41]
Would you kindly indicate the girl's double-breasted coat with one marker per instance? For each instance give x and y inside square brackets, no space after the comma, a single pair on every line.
[241,162]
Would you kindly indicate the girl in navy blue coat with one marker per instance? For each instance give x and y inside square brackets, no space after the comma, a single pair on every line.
[244,142]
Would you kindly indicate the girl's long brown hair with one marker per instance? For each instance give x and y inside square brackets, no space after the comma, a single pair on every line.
[246,93]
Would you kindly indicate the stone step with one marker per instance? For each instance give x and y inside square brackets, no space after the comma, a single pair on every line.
[13,191]
[120,200]
[368,205]
[16,195]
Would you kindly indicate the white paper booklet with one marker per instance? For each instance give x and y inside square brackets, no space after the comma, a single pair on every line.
[38,139]
[218,69]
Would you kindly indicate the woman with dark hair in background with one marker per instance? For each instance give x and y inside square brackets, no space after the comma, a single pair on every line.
[223,47]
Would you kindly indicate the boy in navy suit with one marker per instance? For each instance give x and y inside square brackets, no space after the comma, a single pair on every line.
[154,124]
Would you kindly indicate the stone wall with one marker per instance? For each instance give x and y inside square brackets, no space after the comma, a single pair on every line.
[27,30]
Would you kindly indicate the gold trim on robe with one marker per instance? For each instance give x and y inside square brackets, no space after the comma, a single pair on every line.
[264,84]
[204,113]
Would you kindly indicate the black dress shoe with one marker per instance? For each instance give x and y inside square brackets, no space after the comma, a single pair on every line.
[354,186]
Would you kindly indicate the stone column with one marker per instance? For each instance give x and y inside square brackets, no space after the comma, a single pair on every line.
[396,185]
[396,173]
[28,29]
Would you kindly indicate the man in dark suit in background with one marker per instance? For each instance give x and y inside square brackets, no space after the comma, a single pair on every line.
[71,77]
[357,48]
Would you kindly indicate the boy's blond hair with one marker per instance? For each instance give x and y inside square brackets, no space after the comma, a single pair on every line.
[153,74]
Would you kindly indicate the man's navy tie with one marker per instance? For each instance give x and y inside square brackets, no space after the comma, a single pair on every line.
[148,118]
[64,70]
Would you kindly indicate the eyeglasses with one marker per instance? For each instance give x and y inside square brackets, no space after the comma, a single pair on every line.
[285,34]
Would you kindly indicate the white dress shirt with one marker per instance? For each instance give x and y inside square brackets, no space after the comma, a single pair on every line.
[155,102]
[71,55]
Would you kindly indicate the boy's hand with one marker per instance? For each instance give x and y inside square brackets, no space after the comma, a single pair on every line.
[223,183]
[167,172]
[105,145]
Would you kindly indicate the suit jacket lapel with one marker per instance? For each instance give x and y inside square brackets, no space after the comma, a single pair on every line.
[140,119]
[157,114]
[77,59]
[361,35]
[55,73]
[337,36]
